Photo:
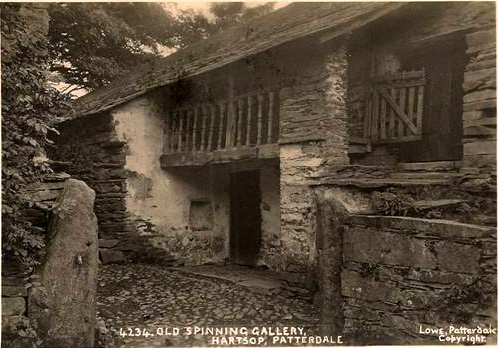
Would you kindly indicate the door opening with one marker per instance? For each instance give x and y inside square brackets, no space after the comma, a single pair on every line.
[245,217]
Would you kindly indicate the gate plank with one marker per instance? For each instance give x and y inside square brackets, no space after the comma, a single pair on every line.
[420,109]
[402,101]
[411,105]
[400,113]
[392,118]
[375,111]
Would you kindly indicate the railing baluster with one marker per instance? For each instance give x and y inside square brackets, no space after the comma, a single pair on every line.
[173,132]
[180,131]
[167,133]
[211,128]
[270,116]
[203,130]
[249,119]
[239,122]
[194,130]
[222,119]
[187,129]
[260,117]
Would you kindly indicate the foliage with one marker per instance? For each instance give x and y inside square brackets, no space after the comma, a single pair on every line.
[192,26]
[28,109]
[391,203]
[93,43]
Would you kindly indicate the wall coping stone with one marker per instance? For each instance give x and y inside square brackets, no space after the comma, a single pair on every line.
[443,228]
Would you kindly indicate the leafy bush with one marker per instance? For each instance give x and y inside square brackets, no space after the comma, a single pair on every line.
[29,108]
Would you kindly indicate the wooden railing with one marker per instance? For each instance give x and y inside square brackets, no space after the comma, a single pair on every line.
[249,120]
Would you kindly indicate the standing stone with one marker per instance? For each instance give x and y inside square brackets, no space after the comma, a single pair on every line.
[62,306]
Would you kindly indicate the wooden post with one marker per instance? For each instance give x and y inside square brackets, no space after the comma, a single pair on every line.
[249,119]
[411,106]
[203,129]
[212,108]
[401,124]
[173,133]
[383,111]
[230,111]
[420,108]
[270,116]
[180,132]
[260,117]
[166,137]
[392,115]
[188,115]
[239,122]
[194,129]
[367,130]
[222,121]
[375,113]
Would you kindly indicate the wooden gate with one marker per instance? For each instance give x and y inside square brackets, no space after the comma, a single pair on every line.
[394,108]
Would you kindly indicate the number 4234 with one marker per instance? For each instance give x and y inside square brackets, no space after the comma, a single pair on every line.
[134,332]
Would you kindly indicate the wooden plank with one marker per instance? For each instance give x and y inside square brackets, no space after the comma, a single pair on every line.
[180,131]
[420,109]
[222,121]
[260,117]
[404,75]
[405,139]
[212,109]
[411,106]
[229,124]
[239,122]
[173,132]
[383,118]
[167,133]
[269,151]
[203,128]
[271,103]
[402,102]
[194,129]
[392,116]
[399,111]
[375,111]
[367,129]
[187,130]
[249,119]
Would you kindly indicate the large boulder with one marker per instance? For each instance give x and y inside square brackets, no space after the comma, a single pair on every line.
[62,305]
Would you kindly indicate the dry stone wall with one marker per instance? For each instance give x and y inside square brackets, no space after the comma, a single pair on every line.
[313,134]
[479,116]
[400,273]
[16,328]
[89,150]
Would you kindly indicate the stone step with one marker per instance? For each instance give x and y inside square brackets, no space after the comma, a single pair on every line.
[424,176]
[430,166]
[437,204]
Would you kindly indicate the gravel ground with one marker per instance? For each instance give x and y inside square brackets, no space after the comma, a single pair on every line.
[134,297]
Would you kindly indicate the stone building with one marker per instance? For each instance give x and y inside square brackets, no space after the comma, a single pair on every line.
[233,148]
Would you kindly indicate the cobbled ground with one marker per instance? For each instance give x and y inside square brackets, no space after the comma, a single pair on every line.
[134,297]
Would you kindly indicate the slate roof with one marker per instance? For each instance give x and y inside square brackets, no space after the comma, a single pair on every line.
[294,21]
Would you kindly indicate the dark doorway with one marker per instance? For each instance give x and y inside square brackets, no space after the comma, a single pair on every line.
[444,63]
[245,217]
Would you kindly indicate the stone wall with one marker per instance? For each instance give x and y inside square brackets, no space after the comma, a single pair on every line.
[89,149]
[313,134]
[16,278]
[479,116]
[270,216]
[403,273]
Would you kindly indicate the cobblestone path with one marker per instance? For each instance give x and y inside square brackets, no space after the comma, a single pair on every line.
[132,298]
